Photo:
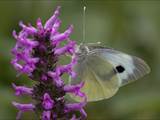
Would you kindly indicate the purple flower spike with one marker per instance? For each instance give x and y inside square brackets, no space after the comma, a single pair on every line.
[46,115]
[36,54]
[21,90]
[47,103]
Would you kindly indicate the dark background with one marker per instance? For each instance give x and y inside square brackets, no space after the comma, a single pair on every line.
[129,26]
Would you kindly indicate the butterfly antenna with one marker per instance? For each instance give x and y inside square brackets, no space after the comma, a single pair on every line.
[84,24]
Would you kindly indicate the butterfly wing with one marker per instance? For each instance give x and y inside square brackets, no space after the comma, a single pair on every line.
[102,79]
[99,76]
[134,67]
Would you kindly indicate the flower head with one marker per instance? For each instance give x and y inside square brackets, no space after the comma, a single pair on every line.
[36,54]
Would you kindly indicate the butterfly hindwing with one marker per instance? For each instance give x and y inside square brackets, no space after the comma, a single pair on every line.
[134,67]
[99,76]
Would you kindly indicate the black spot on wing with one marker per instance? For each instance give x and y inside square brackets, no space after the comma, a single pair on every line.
[120,69]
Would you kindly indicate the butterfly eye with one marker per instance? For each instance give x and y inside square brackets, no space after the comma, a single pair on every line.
[120,69]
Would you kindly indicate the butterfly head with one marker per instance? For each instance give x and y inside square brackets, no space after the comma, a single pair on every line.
[82,49]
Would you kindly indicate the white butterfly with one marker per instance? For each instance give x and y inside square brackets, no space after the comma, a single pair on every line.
[105,70]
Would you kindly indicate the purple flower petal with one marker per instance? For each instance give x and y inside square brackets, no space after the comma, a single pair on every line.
[74,106]
[73,117]
[22,40]
[39,25]
[56,78]
[68,68]
[27,69]
[47,103]
[83,113]
[22,34]
[69,48]
[56,39]
[17,66]
[21,90]
[69,31]
[51,21]
[75,89]
[55,28]
[44,77]
[24,107]
[32,61]
[46,115]
[30,30]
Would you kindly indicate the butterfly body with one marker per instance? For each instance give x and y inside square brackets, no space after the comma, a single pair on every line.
[105,70]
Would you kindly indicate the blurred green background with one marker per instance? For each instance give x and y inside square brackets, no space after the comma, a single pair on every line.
[130,26]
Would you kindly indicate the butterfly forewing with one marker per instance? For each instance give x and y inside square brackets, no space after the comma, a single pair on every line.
[134,67]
